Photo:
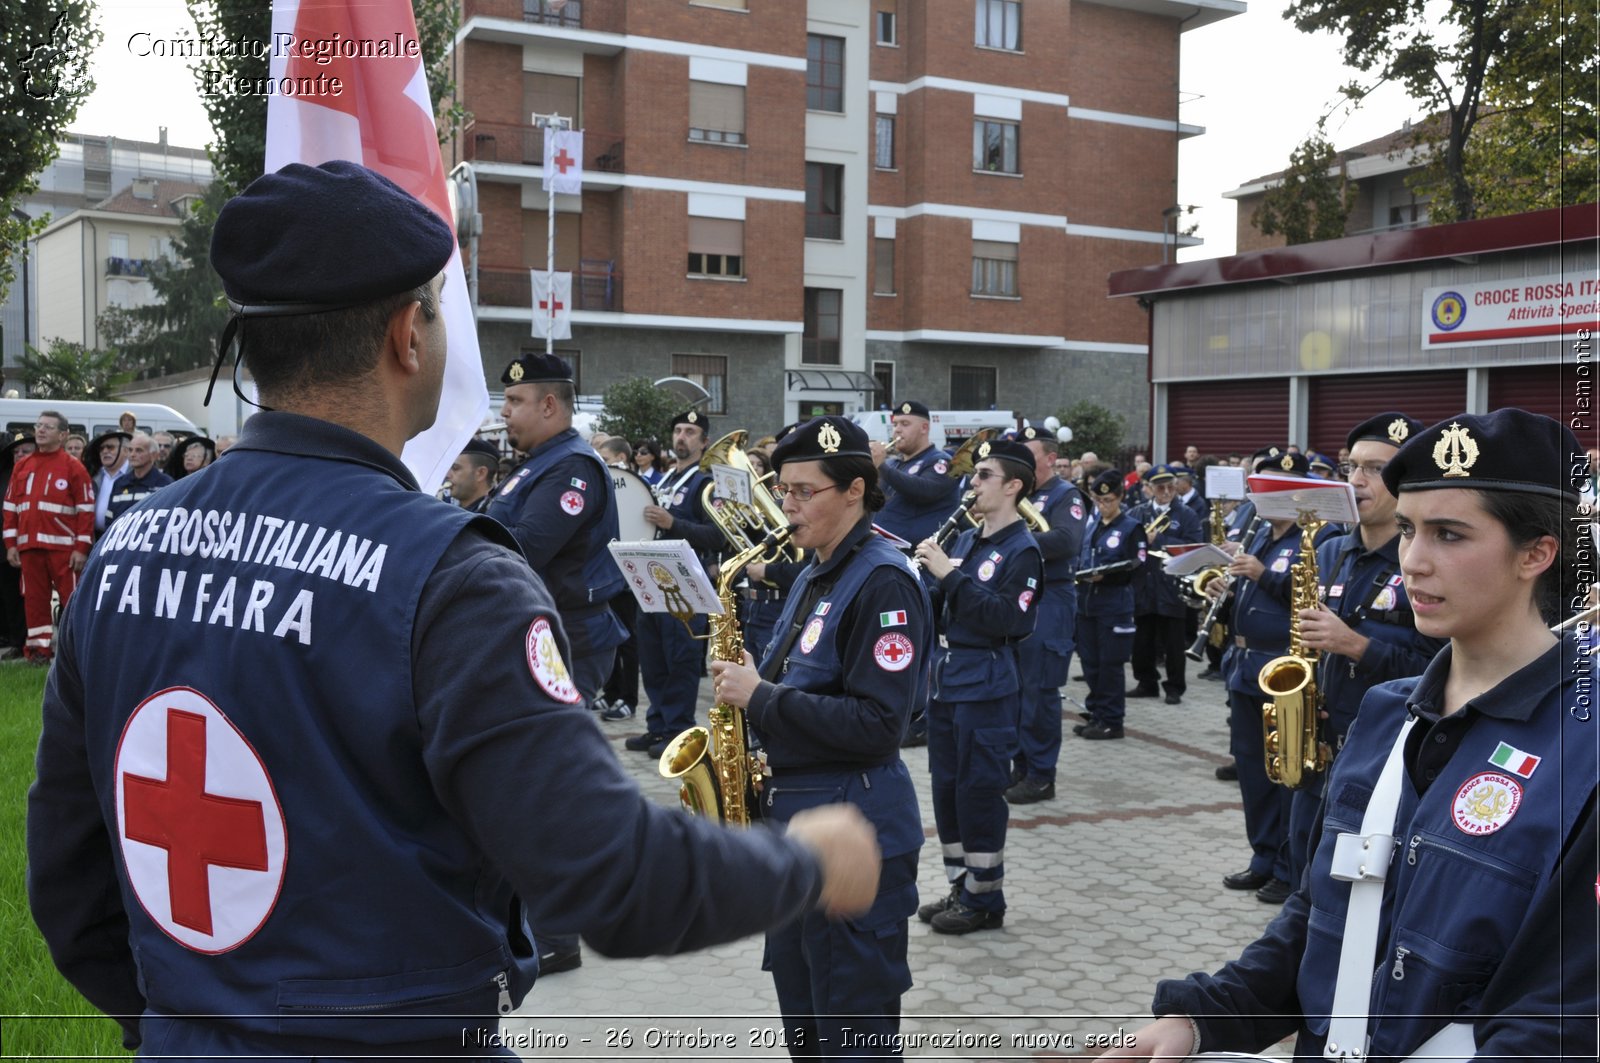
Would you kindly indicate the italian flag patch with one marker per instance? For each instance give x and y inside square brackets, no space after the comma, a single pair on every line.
[579,484]
[1514,760]
[894,619]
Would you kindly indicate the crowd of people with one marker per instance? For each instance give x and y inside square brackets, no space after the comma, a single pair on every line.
[461,822]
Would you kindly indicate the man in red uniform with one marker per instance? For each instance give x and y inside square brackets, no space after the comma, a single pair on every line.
[49,514]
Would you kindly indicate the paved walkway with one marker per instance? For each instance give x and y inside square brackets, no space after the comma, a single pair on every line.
[1112,885]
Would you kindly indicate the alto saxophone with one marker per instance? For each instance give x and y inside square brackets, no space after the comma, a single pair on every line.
[1291,721]
[716,772]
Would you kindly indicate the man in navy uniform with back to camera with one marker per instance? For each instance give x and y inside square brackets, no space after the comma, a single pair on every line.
[1112,553]
[366,678]
[670,657]
[1047,656]
[1159,611]
[560,508]
[1364,630]
[983,594]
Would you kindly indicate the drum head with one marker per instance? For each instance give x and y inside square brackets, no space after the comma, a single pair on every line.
[633,494]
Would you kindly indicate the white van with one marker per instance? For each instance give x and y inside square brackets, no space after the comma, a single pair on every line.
[947,429]
[91,418]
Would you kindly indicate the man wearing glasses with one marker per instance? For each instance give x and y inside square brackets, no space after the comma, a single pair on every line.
[49,518]
[1364,628]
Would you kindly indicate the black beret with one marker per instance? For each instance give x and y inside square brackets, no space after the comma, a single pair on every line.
[1107,483]
[1265,458]
[531,368]
[821,438]
[911,408]
[1159,474]
[1028,433]
[326,237]
[481,446]
[16,440]
[1007,450]
[1507,450]
[1286,463]
[694,417]
[1391,428]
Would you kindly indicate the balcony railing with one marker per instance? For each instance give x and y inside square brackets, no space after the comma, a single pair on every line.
[574,14]
[553,12]
[512,286]
[501,142]
[128,267]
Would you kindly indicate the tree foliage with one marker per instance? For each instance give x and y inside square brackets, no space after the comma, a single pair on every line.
[1441,58]
[636,409]
[179,331]
[72,371]
[1094,428]
[240,119]
[1310,203]
[44,76]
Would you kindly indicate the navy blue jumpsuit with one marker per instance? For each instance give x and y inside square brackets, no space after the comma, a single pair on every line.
[1105,615]
[920,494]
[1158,608]
[1047,656]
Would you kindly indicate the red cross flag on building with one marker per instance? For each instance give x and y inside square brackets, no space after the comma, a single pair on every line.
[552,304]
[201,830]
[563,161]
[382,117]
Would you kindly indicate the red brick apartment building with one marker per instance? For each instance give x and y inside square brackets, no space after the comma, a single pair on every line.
[817,206]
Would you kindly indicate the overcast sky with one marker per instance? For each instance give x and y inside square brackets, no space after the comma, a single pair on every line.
[1253,81]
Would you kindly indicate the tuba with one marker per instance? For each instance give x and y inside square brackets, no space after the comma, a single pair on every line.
[744,526]
[716,772]
[1291,721]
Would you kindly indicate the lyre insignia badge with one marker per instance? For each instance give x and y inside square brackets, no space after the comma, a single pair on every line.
[1456,451]
[515,372]
[1287,464]
[1398,431]
[905,407]
[828,438]
[983,451]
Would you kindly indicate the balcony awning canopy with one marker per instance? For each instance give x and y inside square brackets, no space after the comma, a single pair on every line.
[830,380]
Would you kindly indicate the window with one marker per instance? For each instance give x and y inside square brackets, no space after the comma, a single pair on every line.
[884,21]
[550,94]
[824,194]
[710,371]
[882,266]
[716,247]
[999,25]
[117,244]
[553,12]
[973,386]
[883,391]
[819,344]
[994,268]
[536,243]
[716,112]
[824,73]
[883,142]
[994,146]
[727,5]
[570,355]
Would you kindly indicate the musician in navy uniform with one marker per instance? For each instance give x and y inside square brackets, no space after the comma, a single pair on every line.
[984,591]
[1159,610]
[301,788]
[1364,629]
[1112,553]
[1047,656]
[829,704]
[1477,939]
[670,657]
[917,484]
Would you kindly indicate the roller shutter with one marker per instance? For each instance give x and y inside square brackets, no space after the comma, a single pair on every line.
[1555,390]
[1339,403]
[1228,416]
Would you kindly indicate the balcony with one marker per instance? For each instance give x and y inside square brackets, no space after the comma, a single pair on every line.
[592,289]
[573,14]
[524,145]
[128,267]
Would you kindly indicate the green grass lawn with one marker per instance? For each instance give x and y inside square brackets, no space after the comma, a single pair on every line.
[41,1016]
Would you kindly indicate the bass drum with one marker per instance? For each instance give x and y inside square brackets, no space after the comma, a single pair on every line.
[633,494]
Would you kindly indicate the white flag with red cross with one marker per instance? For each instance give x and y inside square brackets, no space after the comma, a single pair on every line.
[563,161]
[552,304]
[382,117]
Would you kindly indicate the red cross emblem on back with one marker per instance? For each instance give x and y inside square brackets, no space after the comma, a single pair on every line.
[203,838]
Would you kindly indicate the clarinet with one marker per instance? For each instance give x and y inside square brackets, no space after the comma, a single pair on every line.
[948,528]
[1197,652]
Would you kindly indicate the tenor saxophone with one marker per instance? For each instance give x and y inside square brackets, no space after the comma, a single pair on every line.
[1291,720]
[716,772]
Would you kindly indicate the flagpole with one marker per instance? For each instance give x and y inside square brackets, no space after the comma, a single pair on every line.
[554,121]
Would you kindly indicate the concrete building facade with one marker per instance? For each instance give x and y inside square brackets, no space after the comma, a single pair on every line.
[823,206]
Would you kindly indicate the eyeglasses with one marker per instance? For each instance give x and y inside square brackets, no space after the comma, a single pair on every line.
[801,494]
[1370,469]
